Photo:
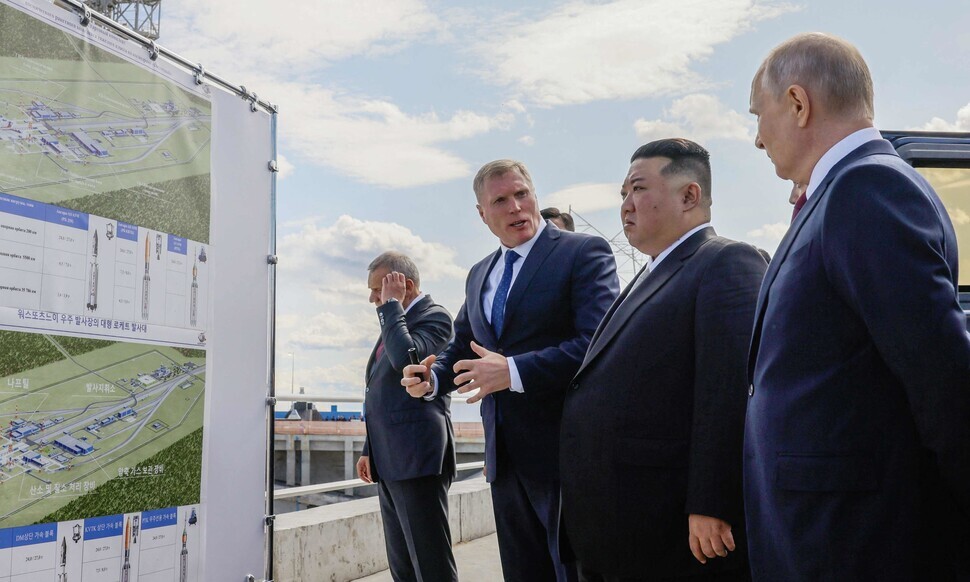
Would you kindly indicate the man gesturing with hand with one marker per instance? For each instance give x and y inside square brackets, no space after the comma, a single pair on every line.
[530,310]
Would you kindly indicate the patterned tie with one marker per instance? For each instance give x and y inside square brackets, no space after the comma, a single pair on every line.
[502,294]
[798,206]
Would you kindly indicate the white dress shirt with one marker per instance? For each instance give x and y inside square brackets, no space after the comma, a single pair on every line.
[663,255]
[835,154]
[488,297]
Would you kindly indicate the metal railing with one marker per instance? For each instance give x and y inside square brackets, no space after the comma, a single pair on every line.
[291,492]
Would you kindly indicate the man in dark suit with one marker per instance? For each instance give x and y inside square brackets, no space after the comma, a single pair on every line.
[653,423]
[857,442]
[530,310]
[410,449]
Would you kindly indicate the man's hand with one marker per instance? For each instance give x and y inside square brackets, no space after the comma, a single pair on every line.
[489,373]
[709,537]
[417,387]
[363,469]
[394,285]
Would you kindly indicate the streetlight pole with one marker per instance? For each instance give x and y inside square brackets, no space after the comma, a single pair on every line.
[292,370]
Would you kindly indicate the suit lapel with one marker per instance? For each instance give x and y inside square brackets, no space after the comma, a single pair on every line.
[473,303]
[540,250]
[867,149]
[371,363]
[637,297]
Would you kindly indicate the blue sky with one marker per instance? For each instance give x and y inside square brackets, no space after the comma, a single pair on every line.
[388,107]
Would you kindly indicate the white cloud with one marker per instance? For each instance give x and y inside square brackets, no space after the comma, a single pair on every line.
[770,233]
[302,35]
[330,331]
[285,167]
[593,50]
[279,56]
[347,378]
[962,122]
[585,197]
[332,260]
[527,140]
[373,140]
[698,117]
[960,217]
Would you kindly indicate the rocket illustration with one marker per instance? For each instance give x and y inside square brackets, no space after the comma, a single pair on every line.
[62,577]
[184,558]
[145,283]
[93,275]
[194,296]
[134,529]
[126,565]
[158,247]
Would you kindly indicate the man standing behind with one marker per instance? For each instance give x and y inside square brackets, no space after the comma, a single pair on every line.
[530,310]
[652,427]
[410,448]
[857,442]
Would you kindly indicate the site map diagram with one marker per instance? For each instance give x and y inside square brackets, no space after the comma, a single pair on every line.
[83,129]
[86,412]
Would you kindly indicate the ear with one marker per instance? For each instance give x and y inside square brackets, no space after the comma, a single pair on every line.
[690,196]
[799,104]
[409,286]
[480,213]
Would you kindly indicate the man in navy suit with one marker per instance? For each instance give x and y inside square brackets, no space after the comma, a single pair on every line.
[530,310]
[857,436]
[410,446]
[652,427]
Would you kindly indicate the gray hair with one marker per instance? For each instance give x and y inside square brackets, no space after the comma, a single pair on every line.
[395,261]
[825,66]
[500,168]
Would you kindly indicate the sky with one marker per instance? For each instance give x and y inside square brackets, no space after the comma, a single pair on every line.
[389,107]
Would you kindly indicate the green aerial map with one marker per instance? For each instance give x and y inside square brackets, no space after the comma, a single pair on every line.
[84,129]
[76,414]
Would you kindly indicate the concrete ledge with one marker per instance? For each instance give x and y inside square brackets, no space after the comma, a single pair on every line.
[345,541]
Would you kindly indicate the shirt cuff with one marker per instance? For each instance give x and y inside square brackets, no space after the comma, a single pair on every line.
[515,384]
[434,388]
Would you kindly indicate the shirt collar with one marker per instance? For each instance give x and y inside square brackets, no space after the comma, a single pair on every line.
[416,299]
[523,249]
[835,154]
[663,255]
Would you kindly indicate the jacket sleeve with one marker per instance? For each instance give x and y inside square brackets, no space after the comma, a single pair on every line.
[430,333]
[593,288]
[724,309]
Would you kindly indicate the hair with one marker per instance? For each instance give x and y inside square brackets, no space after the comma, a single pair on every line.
[500,168]
[565,217]
[686,159]
[395,261]
[826,66]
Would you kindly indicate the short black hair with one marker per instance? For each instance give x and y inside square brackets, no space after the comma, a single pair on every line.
[565,217]
[686,157]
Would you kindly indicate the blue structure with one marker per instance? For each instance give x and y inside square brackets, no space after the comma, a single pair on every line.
[335,414]
[126,413]
[24,430]
[72,445]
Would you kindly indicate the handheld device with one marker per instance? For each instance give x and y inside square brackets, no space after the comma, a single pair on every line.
[413,357]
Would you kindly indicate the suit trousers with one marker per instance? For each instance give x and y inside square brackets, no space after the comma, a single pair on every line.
[527,525]
[416,531]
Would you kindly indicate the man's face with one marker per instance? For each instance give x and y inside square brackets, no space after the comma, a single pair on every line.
[652,213]
[775,135]
[375,282]
[509,208]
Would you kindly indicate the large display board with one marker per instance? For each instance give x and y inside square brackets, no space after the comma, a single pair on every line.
[109,344]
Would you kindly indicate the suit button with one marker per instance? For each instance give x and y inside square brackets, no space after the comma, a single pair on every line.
[574,386]
[367,389]
[751,390]
[501,351]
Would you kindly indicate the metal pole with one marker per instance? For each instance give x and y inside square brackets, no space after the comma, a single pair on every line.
[292,370]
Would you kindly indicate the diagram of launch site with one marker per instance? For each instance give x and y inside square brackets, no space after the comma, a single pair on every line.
[104,276]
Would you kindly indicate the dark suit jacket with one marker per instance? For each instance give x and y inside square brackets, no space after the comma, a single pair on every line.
[653,424]
[566,284]
[407,437]
[857,444]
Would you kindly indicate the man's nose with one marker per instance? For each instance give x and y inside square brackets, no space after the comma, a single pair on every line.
[757,142]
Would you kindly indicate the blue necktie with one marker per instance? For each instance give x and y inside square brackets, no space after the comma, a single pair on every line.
[502,294]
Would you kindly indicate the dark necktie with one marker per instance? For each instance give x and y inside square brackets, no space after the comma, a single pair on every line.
[380,352]
[798,206]
[502,293]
